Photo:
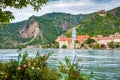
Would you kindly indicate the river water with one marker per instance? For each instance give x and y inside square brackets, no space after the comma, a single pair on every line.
[105,64]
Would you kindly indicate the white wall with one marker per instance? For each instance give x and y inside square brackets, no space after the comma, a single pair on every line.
[61,43]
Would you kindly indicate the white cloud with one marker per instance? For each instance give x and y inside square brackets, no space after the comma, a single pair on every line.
[67,6]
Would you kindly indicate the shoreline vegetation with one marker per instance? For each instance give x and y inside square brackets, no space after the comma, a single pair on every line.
[94,46]
[36,68]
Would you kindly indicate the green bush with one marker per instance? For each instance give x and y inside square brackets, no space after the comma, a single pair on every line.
[36,69]
[72,71]
[113,45]
[28,69]
[89,41]
[64,46]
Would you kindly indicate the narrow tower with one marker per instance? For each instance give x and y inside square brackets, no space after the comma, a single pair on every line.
[73,37]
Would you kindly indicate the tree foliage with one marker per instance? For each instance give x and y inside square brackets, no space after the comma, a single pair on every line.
[89,41]
[113,45]
[6,16]
[37,69]
[72,71]
[64,46]
[28,69]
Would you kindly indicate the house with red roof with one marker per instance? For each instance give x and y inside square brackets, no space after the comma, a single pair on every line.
[64,40]
[105,40]
[82,38]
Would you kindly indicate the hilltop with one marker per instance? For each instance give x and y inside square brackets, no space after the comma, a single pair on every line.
[100,23]
[38,30]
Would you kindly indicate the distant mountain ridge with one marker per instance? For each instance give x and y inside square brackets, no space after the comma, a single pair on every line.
[38,29]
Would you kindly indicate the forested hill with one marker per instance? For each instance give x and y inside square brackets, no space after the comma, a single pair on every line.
[100,23]
[38,29]
[45,29]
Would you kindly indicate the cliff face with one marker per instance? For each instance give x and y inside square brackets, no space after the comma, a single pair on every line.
[30,30]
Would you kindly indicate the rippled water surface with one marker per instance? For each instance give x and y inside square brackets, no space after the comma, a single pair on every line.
[105,64]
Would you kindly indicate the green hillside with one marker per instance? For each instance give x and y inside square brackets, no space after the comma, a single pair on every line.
[9,34]
[51,26]
[54,24]
[100,25]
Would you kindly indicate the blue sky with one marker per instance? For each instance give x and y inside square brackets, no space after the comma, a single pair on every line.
[66,6]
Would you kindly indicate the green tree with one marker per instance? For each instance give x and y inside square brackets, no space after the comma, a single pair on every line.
[64,46]
[76,41]
[111,45]
[117,45]
[56,45]
[90,45]
[89,40]
[7,16]
[97,46]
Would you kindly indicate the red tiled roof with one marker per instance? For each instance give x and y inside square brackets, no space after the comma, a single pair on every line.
[108,38]
[82,36]
[65,39]
[79,38]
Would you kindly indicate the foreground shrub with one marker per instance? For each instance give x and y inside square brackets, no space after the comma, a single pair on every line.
[28,69]
[36,69]
[71,71]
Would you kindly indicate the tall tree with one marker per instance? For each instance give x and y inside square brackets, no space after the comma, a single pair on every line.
[7,16]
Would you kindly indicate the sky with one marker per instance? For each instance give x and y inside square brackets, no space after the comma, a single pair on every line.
[66,6]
